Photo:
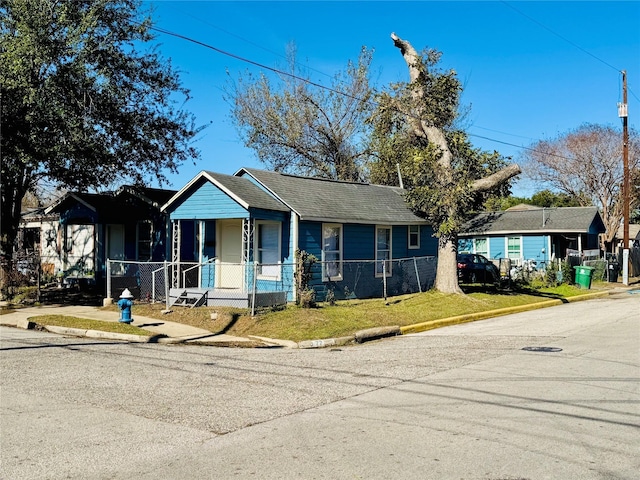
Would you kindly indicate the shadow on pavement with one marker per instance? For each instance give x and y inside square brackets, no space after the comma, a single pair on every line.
[70,296]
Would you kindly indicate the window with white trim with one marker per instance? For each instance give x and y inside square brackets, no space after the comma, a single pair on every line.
[269,249]
[481,246]
[144,237]
[514,248]
[414,237]
[331,251]
[383,251]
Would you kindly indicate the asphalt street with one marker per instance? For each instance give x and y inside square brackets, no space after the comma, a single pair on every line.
[546,394]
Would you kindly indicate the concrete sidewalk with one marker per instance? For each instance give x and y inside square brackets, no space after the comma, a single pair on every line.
[163,331]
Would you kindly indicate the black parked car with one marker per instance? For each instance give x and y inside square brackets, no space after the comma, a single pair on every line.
[474,268]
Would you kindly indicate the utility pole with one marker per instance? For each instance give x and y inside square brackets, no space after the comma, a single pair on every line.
[623,113]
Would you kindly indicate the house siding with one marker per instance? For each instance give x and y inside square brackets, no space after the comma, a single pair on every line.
[208,202]
[532,247]
[497,247]
[359,242]
[358,268]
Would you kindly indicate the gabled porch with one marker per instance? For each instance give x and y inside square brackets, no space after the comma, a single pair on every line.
[220,266]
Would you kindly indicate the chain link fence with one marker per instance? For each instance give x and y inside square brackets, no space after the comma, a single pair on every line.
[147,281]
[263,285]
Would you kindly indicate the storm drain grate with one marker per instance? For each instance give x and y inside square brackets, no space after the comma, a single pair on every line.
[542,349]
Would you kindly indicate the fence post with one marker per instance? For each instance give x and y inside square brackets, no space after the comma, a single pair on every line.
[108,265]
[384,279]
[253,289]
[153,286]
[415,266]
[166,286]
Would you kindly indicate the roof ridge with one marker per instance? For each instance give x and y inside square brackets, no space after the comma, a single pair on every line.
[331,180]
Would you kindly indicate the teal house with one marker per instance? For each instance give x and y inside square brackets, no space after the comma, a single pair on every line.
[527,233]
[235,237]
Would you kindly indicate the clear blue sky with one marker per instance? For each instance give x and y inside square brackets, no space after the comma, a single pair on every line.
[531,70]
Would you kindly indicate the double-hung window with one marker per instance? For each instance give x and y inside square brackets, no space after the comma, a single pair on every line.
[331,251]
[145,240]
[383,251]
[414,237]
[269,249]
[481,246]
[514,248]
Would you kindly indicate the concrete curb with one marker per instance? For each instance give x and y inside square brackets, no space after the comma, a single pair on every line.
[329,342]
[274,342]
[78,332]
[472,317]
[358,337]
[375,333]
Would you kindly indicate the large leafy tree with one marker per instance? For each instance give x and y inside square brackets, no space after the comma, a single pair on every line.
[296,126]
[84,100]
[444,175]
[544,198]
[586,164]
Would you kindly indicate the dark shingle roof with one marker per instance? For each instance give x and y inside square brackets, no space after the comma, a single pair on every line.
[565,219]
[113,200]
[155,196]
[331,200]
[246,192]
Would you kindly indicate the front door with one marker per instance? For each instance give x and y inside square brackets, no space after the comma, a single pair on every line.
[230,268]
[115,247]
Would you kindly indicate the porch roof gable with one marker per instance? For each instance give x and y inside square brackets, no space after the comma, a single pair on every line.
[239,189]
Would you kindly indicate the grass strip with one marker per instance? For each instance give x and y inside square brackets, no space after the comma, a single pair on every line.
[88,324]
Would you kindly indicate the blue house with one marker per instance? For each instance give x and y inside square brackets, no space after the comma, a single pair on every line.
[235,239]
[90,228]
[533,233]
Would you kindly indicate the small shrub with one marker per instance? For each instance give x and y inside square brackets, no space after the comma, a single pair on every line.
[551,274]
[25,295]
[330,297]
[600,272]
[568,273]
[307,298]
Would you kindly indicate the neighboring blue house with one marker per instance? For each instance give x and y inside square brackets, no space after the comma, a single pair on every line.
[533,233]
[242,231]
[91,228]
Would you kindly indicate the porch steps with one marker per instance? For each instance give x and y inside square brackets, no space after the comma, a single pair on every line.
[191,298]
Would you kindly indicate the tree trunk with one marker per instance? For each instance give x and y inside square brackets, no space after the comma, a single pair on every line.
[14,189]
[447,270]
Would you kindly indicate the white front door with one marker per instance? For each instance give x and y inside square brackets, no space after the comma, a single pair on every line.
[230,269]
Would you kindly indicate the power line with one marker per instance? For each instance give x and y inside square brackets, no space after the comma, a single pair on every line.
[520,146]
[561,37]
[254,44]
[569,42]
[503,133]
[280,72]
[246,60]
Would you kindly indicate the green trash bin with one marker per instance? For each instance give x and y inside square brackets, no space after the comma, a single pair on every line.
[583,276]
